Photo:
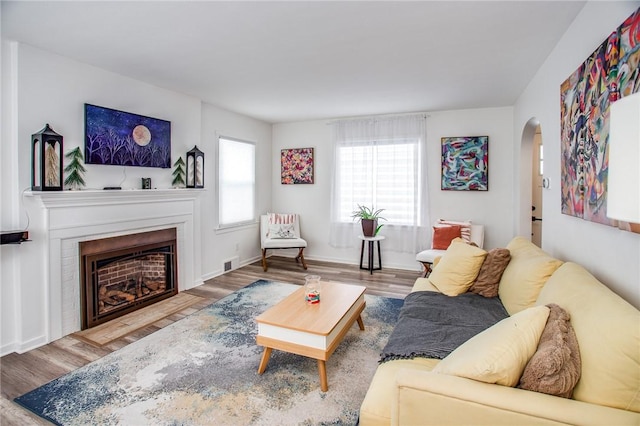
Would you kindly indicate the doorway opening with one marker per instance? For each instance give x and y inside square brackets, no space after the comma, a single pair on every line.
[537,172]
[531,174]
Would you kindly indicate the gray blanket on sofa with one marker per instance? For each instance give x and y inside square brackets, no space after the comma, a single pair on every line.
[432,325]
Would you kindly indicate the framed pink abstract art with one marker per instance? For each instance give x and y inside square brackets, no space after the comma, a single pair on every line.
[296,166]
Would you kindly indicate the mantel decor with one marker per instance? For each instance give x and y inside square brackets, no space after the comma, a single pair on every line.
[465,163]
[195,168]
[178,173]
[75,170]
[296,166]
[46,160]
[120,138]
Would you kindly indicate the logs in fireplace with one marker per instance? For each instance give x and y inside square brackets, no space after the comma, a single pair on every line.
[122,274]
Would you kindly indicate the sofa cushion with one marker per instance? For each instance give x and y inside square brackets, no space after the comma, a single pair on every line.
[500,353]
[423,284]
[488,279]
[443,235]
[528,270]
[608,332]
[555,367]
[376,407]
[458,268]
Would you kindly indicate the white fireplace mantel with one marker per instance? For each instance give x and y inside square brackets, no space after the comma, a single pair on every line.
[60,220]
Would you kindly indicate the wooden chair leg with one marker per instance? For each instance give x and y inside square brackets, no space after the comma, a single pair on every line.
[264,259]
[301,257]
[427,269]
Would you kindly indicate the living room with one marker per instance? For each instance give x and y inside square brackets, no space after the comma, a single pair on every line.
[40,87]
[41,84]
[38,79]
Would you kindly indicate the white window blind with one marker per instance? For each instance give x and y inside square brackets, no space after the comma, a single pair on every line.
[236,181]
[382,175]
[380,162]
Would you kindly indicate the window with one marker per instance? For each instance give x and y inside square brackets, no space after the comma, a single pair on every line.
[380,162]
[236,182]
[382,175]
[540,161]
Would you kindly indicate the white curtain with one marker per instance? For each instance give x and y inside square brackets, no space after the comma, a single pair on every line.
[381,162]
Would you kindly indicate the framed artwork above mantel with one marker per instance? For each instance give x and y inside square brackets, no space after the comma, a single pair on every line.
[119,138]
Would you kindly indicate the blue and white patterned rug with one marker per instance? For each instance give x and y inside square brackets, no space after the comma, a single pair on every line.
[202,370]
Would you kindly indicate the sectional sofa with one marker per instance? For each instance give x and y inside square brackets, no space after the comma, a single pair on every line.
[607,329]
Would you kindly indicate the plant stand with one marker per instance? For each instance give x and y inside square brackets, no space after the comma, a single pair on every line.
[371,240]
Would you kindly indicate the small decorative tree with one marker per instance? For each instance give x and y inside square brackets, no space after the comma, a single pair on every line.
[75,169]
[178,174]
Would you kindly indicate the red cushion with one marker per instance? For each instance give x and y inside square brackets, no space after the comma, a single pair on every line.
[443,235]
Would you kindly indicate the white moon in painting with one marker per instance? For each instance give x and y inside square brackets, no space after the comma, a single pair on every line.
[141,135]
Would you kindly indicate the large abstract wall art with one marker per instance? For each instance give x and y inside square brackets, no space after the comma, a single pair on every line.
[120,138]
[610,73]
[465,163]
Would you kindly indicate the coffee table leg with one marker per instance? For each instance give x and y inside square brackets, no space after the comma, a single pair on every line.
[265,360]
[322,371]
[360,322]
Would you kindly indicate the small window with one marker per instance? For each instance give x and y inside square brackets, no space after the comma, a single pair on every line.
[540,161]
[236,182]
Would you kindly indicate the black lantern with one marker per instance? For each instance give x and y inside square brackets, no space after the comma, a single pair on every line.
[46,160]
[195,168]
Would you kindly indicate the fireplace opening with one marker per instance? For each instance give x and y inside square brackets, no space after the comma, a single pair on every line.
[123,274]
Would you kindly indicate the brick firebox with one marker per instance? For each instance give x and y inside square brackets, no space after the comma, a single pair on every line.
[125,273]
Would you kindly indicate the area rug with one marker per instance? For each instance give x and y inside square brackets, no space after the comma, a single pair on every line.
[202,370]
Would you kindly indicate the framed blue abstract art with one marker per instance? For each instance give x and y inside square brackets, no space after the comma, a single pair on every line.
[124,139]
[465,163]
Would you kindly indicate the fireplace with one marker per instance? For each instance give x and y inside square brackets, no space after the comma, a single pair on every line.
[125,273]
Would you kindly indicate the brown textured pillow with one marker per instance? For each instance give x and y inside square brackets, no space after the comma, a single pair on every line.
[488,280]
[556,366]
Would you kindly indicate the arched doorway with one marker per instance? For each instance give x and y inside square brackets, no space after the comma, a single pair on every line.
[537,170]
[530,188]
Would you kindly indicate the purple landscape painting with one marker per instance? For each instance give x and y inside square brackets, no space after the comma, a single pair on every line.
[123,139]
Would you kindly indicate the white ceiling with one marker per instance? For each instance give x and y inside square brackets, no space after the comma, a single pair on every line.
[292,61]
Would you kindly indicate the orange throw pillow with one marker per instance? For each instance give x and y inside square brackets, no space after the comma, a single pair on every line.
[443,235]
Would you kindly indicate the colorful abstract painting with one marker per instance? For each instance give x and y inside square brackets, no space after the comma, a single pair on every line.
[608,74]
[465,163]
[123,139]
[296,166]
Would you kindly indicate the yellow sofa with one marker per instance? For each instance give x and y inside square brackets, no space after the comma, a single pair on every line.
[407,392]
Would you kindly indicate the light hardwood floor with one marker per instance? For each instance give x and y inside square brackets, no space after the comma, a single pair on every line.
[21,373]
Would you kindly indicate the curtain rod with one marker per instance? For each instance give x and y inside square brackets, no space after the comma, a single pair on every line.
[373,117]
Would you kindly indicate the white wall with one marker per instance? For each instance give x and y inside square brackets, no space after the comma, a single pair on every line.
[492,208]
[243,242]
[42,87]
[613,256]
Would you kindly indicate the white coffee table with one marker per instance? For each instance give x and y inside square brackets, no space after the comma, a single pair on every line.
[311,330]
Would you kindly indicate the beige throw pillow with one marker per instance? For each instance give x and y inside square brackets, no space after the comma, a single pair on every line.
[458,268]
[527,272]
[488,280]
[555,368]
[500,353]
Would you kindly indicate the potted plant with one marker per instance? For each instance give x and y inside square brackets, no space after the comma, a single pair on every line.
[369,219]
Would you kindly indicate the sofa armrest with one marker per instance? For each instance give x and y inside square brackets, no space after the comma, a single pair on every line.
[422,397]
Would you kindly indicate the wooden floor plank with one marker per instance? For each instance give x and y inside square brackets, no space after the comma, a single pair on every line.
[112,330]
[21,373]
